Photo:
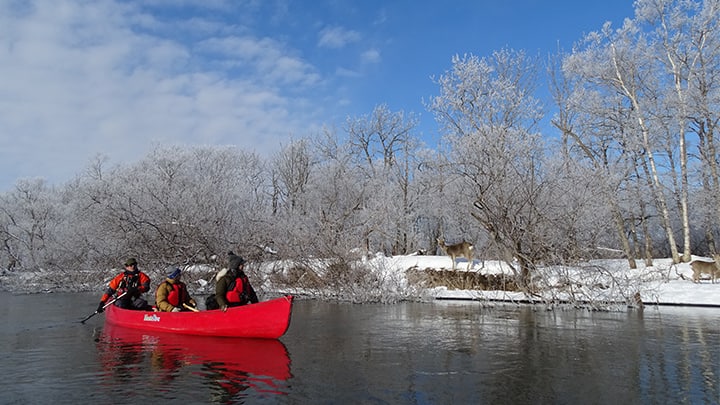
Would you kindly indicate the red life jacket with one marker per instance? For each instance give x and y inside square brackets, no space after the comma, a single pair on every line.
[237,293]
[176,295]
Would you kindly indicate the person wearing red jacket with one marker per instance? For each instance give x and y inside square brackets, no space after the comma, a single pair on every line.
[133,283]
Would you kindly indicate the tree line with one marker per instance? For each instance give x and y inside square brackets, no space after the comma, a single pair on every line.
[621,159]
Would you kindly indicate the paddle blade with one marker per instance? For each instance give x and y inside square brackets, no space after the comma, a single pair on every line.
[88,317]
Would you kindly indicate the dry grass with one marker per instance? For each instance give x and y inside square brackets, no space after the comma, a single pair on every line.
[459,280]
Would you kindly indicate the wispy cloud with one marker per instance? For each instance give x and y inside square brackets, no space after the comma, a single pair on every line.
[371,56]
[345,72]
[264,57]
[337,37]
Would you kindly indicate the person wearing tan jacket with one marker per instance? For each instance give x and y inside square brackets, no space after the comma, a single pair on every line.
[172,294]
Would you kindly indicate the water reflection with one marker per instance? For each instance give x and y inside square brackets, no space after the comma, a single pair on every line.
[461,353]
[232,368]
[408,353]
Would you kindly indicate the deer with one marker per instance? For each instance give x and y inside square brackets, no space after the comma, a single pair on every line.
[462,249]
[700,266]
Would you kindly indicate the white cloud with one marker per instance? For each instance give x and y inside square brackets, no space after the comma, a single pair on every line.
[344,72]
[82,78]
[264,57]
[371,56]
[337,37]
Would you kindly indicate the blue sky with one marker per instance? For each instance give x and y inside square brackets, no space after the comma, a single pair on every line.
[82,78]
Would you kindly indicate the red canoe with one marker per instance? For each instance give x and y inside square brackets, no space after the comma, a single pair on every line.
[267,319]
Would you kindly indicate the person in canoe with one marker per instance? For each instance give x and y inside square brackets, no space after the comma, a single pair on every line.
[172,294]
[234,288]
[128,287]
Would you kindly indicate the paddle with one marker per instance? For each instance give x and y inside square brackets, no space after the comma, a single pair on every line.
[104,306]
[191,308]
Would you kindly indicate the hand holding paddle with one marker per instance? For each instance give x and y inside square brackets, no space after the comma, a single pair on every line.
[101,307]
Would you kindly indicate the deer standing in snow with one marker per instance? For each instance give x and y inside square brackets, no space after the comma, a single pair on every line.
[463,249]
[699,267]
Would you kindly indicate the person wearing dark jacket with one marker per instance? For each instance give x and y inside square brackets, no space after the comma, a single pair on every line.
[132,283]
[234,288]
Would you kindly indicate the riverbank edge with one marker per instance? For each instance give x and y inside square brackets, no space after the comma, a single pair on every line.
[538,303]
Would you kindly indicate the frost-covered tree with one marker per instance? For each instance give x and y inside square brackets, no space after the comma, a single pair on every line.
[652,80]
[384,148]
[29,217]
[291,168]
[592,122]
[176,205]
[487,112]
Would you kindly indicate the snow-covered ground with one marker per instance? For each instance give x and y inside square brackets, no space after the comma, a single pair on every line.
[662,283]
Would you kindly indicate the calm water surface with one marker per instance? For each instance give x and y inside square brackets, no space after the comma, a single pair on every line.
[433,353]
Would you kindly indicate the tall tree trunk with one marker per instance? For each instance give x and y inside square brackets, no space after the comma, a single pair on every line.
[709,173]
[682,124]
[648,252]
[649,158]
[622,235]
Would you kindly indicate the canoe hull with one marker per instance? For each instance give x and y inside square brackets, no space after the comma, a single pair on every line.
[267,319]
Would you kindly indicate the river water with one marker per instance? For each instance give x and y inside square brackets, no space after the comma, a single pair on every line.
[336,353]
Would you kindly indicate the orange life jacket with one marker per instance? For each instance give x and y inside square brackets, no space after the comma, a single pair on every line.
[134,280]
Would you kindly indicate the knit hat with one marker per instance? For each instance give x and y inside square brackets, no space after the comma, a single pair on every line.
[234,261]
[131,262]
[175,274]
